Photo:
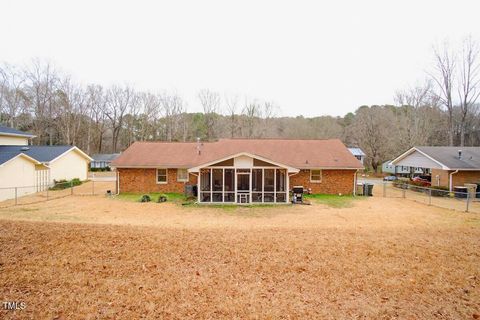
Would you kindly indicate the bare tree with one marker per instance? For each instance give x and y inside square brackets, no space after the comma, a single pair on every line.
[443,77]
[172,108]
[251,113]
[210,102]
[414,124]
[469,82]
[12,93]
[96,102]
[372,135]
[231,103]
[149,119]
[118,102]
[41,86]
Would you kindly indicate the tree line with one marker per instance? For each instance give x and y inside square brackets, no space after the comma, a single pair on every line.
[443,110]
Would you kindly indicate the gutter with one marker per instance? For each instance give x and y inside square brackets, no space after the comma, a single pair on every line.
[451,180]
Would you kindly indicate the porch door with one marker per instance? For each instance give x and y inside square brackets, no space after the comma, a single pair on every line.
[243,186]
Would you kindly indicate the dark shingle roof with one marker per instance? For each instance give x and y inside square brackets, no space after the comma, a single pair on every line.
[11,131]
[39,153]
[449,157]
[105,156]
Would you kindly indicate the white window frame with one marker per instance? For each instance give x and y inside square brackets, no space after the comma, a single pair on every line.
[320,173]
[166,176]
[178,177]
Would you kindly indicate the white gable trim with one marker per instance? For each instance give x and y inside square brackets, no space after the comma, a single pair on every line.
[23,155]
[74,148]
[289,169]
[411,150]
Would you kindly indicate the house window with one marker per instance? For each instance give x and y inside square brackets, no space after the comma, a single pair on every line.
[182,175]
[161,175]
[316,175]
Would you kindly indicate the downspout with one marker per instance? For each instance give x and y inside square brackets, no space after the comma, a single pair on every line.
[355,183]
[118,183]
[451,179]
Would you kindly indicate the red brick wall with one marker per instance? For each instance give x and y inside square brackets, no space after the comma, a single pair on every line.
[145,180]
[333,181]
[459,178]
[443,177]
[462,177]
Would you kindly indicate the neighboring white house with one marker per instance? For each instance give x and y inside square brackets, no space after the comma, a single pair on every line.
[14,137]
[358,153]
[64,162]
[103,160]
[388,167]
[29,169]
[21,175]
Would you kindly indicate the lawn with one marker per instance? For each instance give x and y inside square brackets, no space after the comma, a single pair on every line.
[136,197]
[332,200]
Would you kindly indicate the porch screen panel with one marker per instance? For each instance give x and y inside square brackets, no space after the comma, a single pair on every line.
[281,185]
[217,185]
[269,185]
[229,195]
[205,185]
[257,185]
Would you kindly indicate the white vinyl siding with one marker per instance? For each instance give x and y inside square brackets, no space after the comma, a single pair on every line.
[162,176]
[13,141]
[69,166]
[416,159]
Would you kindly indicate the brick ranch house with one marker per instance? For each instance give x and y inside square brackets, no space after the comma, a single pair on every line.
[448,166]
[238,170]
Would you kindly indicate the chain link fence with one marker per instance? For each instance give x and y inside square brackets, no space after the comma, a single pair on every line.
[14,196]
[468,201]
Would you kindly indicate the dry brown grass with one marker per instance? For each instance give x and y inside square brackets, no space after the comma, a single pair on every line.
[381,259]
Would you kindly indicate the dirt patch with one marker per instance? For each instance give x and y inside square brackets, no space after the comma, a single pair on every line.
[119,272]
[370,213]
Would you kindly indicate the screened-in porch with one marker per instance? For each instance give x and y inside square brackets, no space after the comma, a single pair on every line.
[243,185]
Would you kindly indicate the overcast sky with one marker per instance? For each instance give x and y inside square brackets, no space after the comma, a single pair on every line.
[308,57]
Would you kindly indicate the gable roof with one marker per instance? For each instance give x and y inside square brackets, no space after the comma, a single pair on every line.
[40,153]
[7,131]
[448,157]
[294,153]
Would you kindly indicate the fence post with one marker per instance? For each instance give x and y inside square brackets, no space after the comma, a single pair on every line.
[468,201]
[16,201]
[71,187]
[429,196]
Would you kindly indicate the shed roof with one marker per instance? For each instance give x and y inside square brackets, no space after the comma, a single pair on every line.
[14,132]
[295,153]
